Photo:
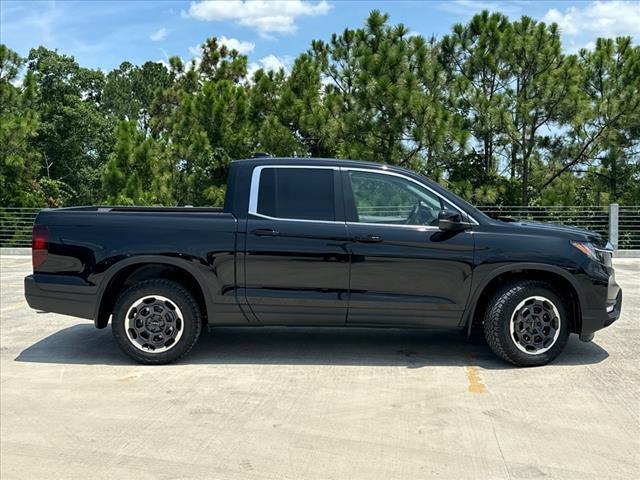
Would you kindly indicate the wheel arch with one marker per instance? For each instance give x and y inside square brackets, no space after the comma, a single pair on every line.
[142,268]
[556,276]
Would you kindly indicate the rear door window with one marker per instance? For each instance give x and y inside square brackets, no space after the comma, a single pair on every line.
[297,193]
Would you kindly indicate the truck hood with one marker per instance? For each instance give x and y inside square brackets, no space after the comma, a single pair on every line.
[552,229]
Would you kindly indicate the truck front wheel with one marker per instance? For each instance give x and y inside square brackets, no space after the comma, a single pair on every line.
[526,323]
[156,321]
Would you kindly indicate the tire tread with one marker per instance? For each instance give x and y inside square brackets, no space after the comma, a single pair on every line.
[159,283]
[495,316]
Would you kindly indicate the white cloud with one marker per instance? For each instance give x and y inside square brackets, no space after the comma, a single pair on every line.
[277,16]
[235,44]
[270,62]
[159,35]
[468,8]
[603,19]
[242,47]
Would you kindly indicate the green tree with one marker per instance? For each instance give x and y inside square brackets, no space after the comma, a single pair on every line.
[134,174]
[386,95]
[474,55]
[74,137]
[542,93]
[603,139]
[218,62]
[129,91]
[496,111]
[303,111]
[271,133]
[19,158]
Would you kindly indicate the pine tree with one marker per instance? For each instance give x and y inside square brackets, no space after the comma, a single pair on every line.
[19,158]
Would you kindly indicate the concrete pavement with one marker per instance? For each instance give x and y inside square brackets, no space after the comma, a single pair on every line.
[313,403]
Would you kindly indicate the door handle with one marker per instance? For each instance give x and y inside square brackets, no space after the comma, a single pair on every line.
[265,232]
[368,238]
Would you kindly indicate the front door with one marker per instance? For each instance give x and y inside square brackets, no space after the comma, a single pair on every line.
[297,260]
[404,270]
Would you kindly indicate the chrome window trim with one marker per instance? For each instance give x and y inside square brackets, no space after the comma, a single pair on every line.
[400,175]
[255,184]
[280,219]
[396,225]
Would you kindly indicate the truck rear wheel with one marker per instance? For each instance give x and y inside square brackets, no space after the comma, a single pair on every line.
[156,321]
[526,323]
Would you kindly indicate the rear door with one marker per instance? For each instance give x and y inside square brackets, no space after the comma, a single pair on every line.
[404,270]
[296,253]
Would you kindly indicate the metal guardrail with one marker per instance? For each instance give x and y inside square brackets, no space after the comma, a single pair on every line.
[399,210]
[16,225]
[621,224]
[629,227]
[595,218]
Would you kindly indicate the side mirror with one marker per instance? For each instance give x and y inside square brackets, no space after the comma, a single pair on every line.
[450,221]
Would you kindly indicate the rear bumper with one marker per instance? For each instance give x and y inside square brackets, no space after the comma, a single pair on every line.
[599,318]
[73,300]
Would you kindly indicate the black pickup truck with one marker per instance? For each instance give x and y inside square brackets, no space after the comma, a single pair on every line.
[322,242]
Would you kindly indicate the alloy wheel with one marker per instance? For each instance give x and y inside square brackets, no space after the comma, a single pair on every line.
[154,324]
[535,325]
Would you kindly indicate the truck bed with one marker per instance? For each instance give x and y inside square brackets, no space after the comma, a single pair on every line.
[139,209]
[150,218]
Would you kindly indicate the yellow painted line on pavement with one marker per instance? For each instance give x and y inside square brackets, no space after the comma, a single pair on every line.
[475,381]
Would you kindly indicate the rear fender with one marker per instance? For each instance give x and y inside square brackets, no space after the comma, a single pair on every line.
[111,273]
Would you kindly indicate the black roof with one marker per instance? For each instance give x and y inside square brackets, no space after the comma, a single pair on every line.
[319,162]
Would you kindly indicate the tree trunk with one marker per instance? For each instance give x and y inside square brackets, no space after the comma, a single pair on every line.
[487,155]
[525,170]
[514,146]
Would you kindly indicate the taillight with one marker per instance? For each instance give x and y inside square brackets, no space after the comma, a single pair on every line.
[39,245]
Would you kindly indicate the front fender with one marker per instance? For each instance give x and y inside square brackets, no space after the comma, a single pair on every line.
[485,274]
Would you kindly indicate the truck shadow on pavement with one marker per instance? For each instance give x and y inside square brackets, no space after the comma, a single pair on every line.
[83,344]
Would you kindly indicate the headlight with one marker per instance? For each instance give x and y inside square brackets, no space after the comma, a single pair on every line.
[588,249]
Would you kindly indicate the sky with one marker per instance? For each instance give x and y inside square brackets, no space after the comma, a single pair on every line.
[102,34]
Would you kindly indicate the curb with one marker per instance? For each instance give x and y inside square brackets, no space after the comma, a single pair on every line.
[15,251]
[626,254]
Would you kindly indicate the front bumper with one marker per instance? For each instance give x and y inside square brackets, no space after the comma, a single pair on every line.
[67,299]
[614,310]
[598,318]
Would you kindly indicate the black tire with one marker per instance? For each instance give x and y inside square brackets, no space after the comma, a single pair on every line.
[500,313]
[186,318]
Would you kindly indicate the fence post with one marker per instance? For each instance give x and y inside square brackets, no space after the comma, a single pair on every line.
[613,224]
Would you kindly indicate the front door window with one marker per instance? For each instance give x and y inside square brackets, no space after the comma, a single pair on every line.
[391,200]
